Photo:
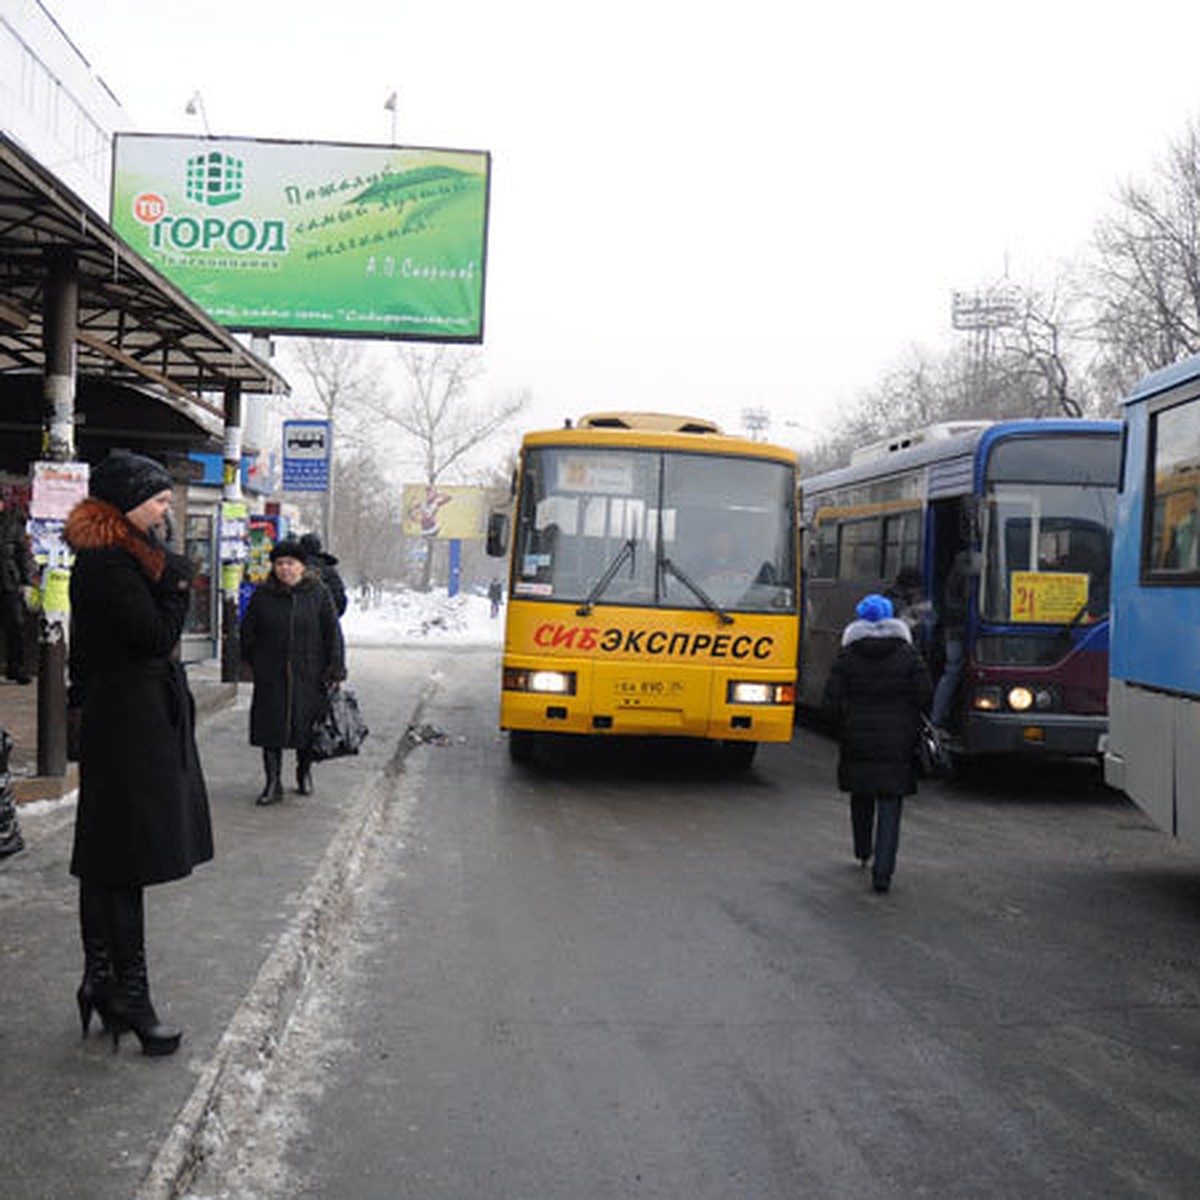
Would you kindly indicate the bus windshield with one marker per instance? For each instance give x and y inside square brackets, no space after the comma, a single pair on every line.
[654,527]
[1037,523]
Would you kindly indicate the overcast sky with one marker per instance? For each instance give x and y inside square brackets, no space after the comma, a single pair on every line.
[702,207]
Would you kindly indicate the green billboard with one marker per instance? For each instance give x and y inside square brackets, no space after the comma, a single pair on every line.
[311,237]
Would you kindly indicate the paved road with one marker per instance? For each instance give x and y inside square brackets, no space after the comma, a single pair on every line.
[624,976]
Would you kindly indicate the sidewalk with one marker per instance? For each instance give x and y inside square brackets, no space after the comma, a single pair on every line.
[78,1121]
[18,715]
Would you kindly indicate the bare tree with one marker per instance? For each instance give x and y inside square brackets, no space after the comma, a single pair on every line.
[1037,356]
[437,416]
[343,389]
[1147,282]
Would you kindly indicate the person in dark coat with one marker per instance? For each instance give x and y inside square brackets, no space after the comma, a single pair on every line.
[293,643]
[324,566]
[142,816]
[878,688]
[17,572]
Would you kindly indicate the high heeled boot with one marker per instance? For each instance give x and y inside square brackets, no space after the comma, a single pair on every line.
[304,784]
[130,1009]
[272,792]
[95,991]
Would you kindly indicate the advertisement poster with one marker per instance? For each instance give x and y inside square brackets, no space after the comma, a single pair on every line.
[442,512]
[311,237]
[57,488]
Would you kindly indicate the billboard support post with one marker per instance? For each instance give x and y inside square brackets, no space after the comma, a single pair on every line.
[231,493]
[60,316]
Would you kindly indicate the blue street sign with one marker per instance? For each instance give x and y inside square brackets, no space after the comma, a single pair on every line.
[306,451]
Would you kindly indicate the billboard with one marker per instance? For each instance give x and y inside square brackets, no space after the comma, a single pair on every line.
[442,512]
[311,237]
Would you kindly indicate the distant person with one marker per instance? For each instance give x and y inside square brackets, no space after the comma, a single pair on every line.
[292,641]
[909,603]
[495,594]
[877,689]
[324,566]
[955,595]
[142,817]
[17,573]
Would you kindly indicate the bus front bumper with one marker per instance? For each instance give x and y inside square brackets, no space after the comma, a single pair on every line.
[1057,735]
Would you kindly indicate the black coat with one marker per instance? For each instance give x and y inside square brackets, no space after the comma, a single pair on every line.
[142,815]
[293,643]
[878,687]
[324,566]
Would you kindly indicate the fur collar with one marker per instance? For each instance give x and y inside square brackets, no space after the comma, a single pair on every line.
[97,525]
[305,583]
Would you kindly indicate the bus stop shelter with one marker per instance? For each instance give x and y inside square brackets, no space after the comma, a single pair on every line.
[91,332]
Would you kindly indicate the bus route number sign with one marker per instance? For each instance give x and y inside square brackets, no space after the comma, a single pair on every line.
[1049,597]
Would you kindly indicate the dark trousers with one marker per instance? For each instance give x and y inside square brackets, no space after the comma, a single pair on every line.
[878,815]
[12,622]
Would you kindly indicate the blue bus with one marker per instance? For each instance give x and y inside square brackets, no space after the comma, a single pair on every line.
[1024,510]
[1153,745]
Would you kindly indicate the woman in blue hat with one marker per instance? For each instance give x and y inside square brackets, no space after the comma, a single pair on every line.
[877,689]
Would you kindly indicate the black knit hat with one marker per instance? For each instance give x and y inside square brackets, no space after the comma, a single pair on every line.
[126,480]
[287,549]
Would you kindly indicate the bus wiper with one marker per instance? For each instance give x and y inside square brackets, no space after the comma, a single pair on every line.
[1065,630]
[627,551]
[696,590]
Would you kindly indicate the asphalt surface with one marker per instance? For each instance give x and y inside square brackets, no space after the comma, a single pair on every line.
[623,975]
[77,1121]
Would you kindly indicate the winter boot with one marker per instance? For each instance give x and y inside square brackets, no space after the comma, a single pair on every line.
[95,992]
[272,792]
[304,784]
[130,1008]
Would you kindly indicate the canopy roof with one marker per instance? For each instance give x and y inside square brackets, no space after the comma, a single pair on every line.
[134,325]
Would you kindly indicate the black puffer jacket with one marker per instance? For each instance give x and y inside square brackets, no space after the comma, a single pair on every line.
[292,641]
[877,689]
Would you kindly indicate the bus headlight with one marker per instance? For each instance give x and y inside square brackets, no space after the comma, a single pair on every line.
[1020,699]
[988,699]
[555,683]
[745,692]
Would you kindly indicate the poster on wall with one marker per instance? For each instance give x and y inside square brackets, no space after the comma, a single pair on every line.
[311,237]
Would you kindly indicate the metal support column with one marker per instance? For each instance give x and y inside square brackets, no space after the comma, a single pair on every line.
[60,315]
[231,658]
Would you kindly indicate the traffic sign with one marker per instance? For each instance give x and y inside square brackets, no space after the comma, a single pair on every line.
[306,451]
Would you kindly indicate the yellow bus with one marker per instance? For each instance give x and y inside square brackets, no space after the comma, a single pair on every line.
[652,585]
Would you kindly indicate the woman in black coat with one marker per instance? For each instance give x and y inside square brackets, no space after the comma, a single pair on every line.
[142,816]
[293,643]
[877,689]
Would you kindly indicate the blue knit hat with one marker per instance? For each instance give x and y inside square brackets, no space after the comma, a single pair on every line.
[874,608]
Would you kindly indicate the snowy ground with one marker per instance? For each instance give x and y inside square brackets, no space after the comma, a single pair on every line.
[407,617]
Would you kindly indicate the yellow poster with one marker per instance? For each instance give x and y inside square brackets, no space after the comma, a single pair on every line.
[56,590]
[442,512]
[1053,597]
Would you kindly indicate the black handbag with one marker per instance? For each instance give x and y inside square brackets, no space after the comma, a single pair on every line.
[933,758]
[339,729]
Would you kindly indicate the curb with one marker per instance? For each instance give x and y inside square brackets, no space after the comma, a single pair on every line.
[227,1093]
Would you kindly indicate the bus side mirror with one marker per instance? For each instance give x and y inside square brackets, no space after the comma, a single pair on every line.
[497,534]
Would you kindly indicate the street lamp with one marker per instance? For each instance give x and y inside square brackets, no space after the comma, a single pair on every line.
[392,104]
[194,107]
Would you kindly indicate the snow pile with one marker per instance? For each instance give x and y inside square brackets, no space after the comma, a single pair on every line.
[396,618]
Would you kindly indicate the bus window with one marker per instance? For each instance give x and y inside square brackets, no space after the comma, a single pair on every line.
[823,552]
[858,550]
[901,542]
[729,538]
[1174,491]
